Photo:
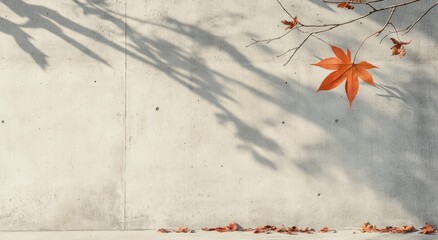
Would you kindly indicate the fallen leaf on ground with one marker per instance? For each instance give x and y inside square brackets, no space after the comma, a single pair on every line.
[326,230]
[163,230]
[428,229]
[232,227]
[368,227]
[183,230]
[345,69]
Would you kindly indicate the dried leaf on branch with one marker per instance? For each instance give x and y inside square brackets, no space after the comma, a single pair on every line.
[290,24]
[398,48]
[347,70]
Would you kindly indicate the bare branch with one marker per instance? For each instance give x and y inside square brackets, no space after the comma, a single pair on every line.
[267,41]
[408,29]
[298,48]
[387,21]
[284,9]
[315,29]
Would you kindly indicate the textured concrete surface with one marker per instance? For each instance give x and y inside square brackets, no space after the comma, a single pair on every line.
[141,235]
[147,114]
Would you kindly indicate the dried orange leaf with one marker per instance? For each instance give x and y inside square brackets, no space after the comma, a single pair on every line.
[290,24]
[345,69]
[399,47]
[428,229]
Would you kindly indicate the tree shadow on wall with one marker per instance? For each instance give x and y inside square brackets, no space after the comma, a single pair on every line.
[401,166]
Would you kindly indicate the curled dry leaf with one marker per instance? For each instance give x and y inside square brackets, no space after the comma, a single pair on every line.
[345,69]
[368,227]
[346,5]
[163,230]
[232,227]
[183,230]
[428,229]
[290,24]
[326,230]
[398,48]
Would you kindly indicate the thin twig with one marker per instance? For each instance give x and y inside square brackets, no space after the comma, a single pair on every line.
[408,29]
[361,44]
[297,48]
[284,9]
[387,21]
[395,31]
[267,41]
[371,6]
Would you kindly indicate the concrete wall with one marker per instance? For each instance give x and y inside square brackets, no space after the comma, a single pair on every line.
[146,114]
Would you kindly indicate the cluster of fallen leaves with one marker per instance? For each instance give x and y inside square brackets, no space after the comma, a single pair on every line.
[285,230]
[234,227]
[368,227]
[428,229]
[178,230]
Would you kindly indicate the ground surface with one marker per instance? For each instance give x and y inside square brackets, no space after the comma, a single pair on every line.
[145,235]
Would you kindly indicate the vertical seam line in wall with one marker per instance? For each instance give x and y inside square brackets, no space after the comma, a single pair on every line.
[125,123]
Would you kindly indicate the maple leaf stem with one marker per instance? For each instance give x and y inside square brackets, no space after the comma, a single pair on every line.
[360,46]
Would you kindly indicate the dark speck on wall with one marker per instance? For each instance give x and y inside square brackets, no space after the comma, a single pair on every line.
[319,194]
[3,121]
[337,120]
[157,108]
[283,122]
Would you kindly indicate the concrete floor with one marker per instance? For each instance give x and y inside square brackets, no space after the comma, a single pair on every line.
[151,234]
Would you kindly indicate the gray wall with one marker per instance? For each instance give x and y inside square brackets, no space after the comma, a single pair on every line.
[146,114]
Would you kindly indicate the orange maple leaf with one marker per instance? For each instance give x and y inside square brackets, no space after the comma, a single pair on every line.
[398,48]
[290,24]
[345,69]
